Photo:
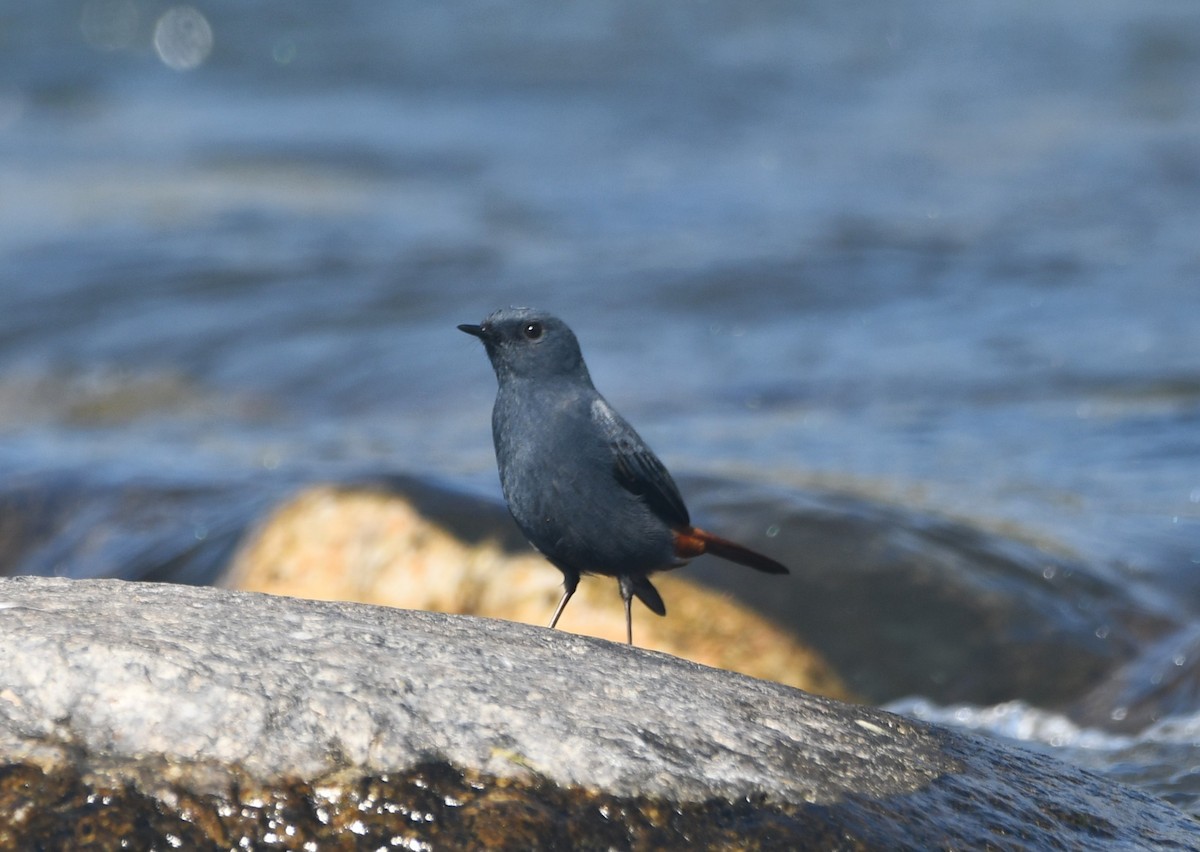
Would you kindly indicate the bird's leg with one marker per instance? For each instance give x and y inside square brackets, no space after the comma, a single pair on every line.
[569,586]
[627,595]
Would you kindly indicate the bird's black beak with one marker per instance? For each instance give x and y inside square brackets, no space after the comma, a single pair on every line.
[473,330]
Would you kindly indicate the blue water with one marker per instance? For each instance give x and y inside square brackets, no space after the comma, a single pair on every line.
[933,255]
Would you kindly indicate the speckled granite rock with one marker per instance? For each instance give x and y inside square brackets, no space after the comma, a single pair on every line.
[176,698]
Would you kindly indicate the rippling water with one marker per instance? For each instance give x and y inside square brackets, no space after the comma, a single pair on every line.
[932,255]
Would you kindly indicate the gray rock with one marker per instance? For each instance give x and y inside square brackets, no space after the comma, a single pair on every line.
[905,603]
[1163,682]
[900,602]
[109,674]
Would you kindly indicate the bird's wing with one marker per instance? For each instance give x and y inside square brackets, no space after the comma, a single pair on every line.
[638,469]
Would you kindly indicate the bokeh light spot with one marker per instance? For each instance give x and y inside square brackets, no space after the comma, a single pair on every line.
[284,51]
[183,38]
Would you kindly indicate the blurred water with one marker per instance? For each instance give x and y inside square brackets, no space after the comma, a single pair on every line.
[939,255]
[1163,759]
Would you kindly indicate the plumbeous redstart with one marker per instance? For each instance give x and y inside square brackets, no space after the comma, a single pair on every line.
[580,483]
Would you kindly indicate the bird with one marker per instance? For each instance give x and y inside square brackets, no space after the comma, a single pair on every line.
[581,484]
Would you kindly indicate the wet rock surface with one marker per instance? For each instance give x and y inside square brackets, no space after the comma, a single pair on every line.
[904,603]
[68,525]
[210,716]
[1163,682]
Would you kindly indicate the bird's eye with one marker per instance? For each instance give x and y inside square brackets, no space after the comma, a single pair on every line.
[532,330]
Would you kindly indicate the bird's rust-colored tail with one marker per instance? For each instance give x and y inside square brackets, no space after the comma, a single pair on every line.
[693,541]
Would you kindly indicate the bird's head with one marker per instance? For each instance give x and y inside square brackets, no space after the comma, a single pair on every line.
[527,343]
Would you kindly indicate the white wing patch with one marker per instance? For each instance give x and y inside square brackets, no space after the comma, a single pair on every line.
[604,415]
